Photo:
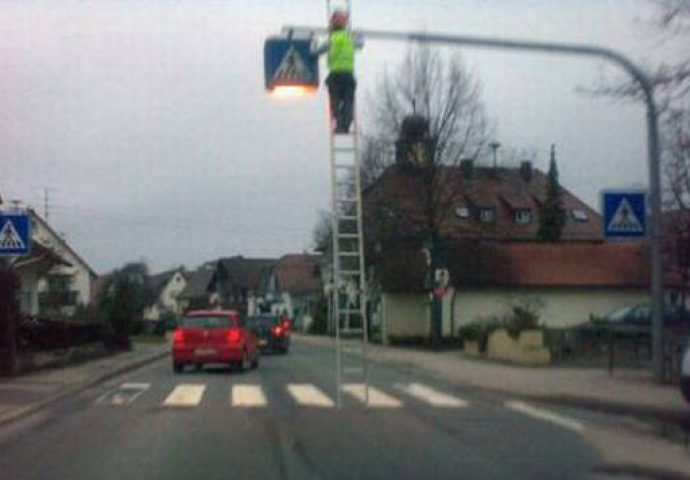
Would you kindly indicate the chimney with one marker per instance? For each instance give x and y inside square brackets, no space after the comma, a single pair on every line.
[467,168]
[526,171]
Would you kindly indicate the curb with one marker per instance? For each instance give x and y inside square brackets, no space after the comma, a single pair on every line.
[640,472]
[70,391]
[588,403]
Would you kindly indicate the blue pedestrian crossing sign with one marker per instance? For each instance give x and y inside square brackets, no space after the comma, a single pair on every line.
[625,214]
[15,235]
[289,62]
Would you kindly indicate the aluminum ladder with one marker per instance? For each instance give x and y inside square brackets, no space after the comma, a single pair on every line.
[348,297]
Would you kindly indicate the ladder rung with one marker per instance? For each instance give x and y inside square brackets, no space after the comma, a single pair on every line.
[350,272]
[348,254]
[344,149]
[347,217]
[348,235]
[347,200]
[346,311]
[345,165]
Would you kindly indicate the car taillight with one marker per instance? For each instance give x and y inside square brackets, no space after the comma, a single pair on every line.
[178,336]
[286,324]
[235,335]
[277,330]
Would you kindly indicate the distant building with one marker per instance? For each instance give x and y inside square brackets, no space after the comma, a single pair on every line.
[166,288]
[291,286]
[55,279]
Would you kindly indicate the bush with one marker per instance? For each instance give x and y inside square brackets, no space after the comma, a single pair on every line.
[522,318]
[479,330]
[136,327]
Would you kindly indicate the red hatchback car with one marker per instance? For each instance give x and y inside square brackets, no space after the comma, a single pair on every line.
[213,336]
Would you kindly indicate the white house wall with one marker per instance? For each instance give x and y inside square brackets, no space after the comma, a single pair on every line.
[406,314]
[171,291]
[561,307]
[78,271]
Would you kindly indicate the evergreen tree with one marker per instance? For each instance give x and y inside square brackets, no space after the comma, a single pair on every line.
[552,212]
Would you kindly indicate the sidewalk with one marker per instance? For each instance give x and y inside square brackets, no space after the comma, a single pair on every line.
[24,395]
[625,392]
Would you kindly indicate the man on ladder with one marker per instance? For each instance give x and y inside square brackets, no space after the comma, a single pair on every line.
[341,83]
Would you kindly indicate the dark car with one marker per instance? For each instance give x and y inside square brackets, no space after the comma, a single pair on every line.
[215,336]
[641,315]
[272,331]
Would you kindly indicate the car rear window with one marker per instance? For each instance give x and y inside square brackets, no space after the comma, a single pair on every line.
[207,322]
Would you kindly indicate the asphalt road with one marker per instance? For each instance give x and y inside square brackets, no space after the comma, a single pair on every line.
[280,422]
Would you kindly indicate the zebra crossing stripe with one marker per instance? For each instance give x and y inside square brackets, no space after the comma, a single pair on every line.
[377,398]
[247,396]
[309,395]
[432,396]
[124,394]
[185,395]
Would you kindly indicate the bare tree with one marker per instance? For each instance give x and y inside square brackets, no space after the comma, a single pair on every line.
[448,96]
[676,223]
[431,113]
[441,90]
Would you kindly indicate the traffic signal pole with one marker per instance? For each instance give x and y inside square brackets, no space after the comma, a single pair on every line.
[653,145]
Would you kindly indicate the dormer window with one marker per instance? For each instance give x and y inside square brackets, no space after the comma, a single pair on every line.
[487,215]
[462,212]
[580,215]
[523,216]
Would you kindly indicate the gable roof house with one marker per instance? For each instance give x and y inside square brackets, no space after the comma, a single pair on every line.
[55,279]
[236,279]
[490,248]
[197,293]
[291,287]
[166,288]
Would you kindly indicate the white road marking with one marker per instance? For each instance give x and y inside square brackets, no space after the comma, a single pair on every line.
[135,386]
[247,396]
[377,398]
[309,395]
[537,413]
[185,395]
[125,394]
[431,396]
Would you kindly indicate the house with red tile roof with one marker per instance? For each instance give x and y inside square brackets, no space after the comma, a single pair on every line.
[490,248]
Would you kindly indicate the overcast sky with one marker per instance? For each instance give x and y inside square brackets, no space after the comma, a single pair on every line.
[148,123]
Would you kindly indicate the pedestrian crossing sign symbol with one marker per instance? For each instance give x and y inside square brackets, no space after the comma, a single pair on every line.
[624,214]
[14,235]
[289,62]
[292,68]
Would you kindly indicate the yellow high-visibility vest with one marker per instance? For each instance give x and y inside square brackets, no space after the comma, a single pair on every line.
[341,54]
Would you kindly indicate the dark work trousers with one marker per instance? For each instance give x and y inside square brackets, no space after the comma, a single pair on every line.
[341,89]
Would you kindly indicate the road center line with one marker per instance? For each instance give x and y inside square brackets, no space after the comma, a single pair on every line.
[247,396]
[185,395]
[309,395]
[545,415]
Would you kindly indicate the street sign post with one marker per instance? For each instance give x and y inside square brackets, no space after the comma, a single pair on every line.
[624,214]
[15,235]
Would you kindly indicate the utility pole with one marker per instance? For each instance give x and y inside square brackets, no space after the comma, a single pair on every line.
[46,204]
